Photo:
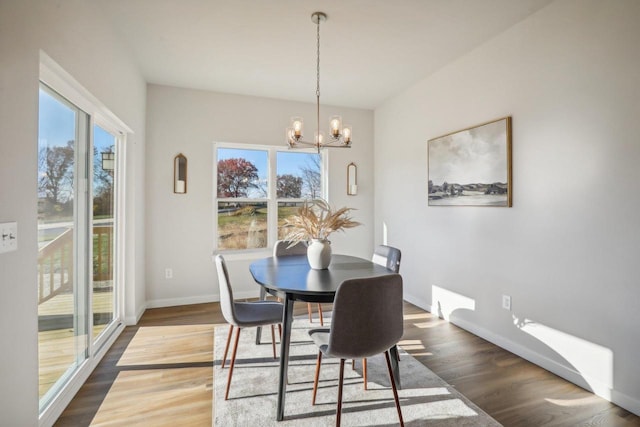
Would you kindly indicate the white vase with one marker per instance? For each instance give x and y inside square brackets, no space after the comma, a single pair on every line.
[319,254]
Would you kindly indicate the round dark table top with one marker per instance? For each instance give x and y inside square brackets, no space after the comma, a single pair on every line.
[292,275]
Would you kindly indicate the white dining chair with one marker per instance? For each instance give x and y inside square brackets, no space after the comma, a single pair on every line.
[243,315]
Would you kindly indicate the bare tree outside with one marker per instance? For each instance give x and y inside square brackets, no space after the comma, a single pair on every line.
[55,181]
[289,186]
[312,183]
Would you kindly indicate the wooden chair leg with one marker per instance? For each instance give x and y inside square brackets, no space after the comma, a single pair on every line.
[317,377]
[280,330]
[364,373]
[226,348]
[273,341]
[309,312]
[339,410]
[233,362]
[393,386]
[320,314]
[353,363]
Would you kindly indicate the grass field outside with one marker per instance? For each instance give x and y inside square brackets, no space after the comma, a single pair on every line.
[245,225]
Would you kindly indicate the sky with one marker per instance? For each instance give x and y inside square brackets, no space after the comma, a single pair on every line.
[57,122]
[57,125]
[287,162]
[477,155]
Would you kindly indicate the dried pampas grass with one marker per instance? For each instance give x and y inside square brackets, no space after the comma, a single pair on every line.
[316,220]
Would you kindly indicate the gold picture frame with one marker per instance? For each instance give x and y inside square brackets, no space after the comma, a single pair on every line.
[471,167]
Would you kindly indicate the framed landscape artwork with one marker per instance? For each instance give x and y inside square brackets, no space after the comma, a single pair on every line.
[471,167]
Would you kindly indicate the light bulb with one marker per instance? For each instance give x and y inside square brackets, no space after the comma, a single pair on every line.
[346,134]
[335,125]
[296,124]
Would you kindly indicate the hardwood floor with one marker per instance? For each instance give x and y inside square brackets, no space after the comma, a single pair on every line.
[159,373]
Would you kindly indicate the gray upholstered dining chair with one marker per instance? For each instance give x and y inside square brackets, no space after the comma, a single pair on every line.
[388,257]
[367,319]
[243,315]
[284,248]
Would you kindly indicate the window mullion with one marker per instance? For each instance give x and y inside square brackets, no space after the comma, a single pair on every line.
[272,230]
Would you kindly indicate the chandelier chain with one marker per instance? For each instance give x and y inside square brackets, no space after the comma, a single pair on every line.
[317,137]
[318,60]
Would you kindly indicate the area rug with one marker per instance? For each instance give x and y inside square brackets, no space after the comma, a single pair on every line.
[424,397]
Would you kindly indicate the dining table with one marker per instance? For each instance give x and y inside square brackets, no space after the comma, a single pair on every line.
[291,278]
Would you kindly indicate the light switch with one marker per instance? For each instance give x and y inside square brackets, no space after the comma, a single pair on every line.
[8,237]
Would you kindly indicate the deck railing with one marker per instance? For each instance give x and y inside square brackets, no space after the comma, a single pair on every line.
[55,266]
[55,262]
[102,253]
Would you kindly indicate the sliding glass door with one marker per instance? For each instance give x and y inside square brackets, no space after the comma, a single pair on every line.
[62,291]
[77,223]
[104,294]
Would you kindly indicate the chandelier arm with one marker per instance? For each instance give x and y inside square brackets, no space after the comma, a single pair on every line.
[310,144]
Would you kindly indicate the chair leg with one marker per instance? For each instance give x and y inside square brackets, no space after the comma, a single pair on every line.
[393,386]
[273,341]
[339,410]
[233,361]
[309,312]
[364,373]
[280,330]
[320,314]
[317,377]
[226,348]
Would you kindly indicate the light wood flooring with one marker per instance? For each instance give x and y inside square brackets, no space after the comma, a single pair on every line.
[159,373]
[57,348]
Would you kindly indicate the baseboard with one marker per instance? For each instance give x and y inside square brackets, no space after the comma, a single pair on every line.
[625,401]
[418,302]
[171,302]
[598,388]
[133,320]
[198,299]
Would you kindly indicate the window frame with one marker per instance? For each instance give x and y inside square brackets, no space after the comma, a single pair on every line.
[272,200]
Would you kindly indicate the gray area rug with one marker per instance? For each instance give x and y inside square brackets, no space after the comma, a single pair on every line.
[425,398]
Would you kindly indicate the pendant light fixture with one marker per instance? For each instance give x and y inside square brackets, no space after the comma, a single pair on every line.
[339,135]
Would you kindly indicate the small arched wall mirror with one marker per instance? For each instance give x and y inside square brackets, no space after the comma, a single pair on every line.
[180,174]
[352,179]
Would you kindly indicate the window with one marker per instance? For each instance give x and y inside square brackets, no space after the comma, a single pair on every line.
[257,188]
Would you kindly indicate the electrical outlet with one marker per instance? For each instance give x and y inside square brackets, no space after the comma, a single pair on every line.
[8,237]
[506,302]
[168,273]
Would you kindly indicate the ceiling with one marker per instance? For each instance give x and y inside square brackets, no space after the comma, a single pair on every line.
[370,49]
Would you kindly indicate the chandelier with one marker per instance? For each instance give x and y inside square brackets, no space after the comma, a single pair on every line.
[339,135]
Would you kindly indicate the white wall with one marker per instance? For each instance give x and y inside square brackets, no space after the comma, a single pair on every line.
[74,34]
[567,252]
[180,226]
